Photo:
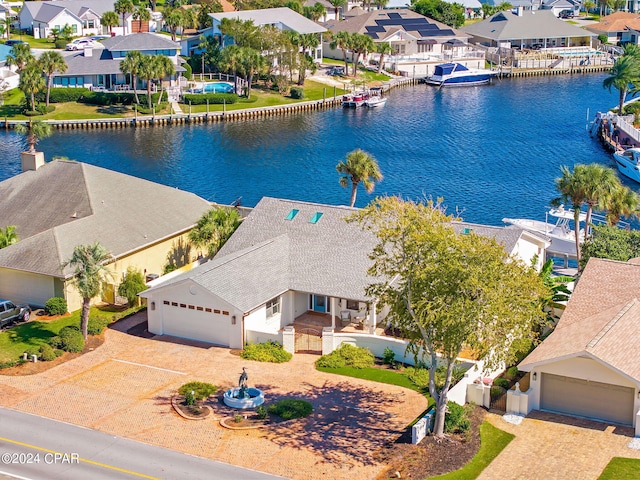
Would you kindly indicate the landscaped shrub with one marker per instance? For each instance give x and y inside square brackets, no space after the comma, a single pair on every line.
[47,353]
[31,113]
[262,412]
[55,306]
[289,408]
[347,356]
[296,92]
[117,98]
[63,95]
[511,373]
[61,43]
[388,356]
[266,352]
[496,392]
[501,382]
[456,419]
[43,109]
[132,284]
[188,71]
[12,363]
[214,98]
[68,339]
[97,324]
[201,390]
[418,376]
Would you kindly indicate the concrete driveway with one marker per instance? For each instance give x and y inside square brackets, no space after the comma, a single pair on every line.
[124,387]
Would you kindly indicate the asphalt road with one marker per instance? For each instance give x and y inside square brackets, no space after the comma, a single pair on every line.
[37,448]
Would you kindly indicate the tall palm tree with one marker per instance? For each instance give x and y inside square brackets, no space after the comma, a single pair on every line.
[361,44]
[230,60]
[8,236]
[571,191]
[624,74]
[598,183]
[131,66]
[163,67]
[34,132]
[336,4]
[622,202]
[359,167]
[148,71]
[214,228]
[142,15]
[383,48]
[7,26]
[342,40]
[51,62]
[20,56]
[123,7]
[188,19]
[172,19]
[109,20]
[88,264]
[31,82]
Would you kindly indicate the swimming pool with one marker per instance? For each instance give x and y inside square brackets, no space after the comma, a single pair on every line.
[214,87]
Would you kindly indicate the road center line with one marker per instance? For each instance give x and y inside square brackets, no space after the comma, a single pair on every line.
[91,462]
[149,366]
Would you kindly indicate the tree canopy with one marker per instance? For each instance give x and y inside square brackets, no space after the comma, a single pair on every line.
[214,228]
[612,243]
[451,14]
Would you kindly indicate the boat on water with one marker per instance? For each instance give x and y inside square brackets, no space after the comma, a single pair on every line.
[375,98]
[457,75]
[628,163]
[355,100]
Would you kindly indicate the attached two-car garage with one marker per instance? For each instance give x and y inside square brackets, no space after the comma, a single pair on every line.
[574,396]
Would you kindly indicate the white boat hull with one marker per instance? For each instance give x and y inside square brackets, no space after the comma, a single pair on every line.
[563,241]
[376,102]
[627,164]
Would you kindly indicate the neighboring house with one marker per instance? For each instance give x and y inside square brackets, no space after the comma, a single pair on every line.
[528,29]
[329,10]
[83,16]
[9,78]
[6,11]
[524,4]
[557,6]
[282,18]
[99,67]
[287,258]
[590,365]
[619,27]
[63,204]
[419,42]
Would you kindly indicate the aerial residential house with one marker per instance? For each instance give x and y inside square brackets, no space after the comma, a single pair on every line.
[558,6]
[98,67]
[137,221]
[9,78]
[619,27]
[590,365]
[420,43]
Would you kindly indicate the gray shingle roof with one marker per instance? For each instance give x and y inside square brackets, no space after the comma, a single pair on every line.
[274,16]
[532,24]
[83,204]
[506,236]
[74,6]
[140,41]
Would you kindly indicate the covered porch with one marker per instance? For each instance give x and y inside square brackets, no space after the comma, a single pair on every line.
[342,322]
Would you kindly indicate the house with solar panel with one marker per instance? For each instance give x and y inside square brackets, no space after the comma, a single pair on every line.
[420,43]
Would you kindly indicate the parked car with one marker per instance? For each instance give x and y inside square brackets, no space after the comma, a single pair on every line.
[80,43]
[10,313]
[11,43]
[566,14]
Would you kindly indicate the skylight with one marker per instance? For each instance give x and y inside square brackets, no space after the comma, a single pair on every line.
[292,214]
[316,217]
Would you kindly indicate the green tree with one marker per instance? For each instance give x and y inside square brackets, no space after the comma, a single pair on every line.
[131,66]
[383,48]
[598,184]
[611,243]
[172,19]
[558,292]
[122,7]
[132,284]
[336,4]
[7,26]
[188,19]
[361,45]
[8,236]
[214,228]
[65,33]
[314,12]
[141,14]
[343,41]
[31,82]
[624,74]
[622,201]
[110,20]
[451,14]
[89,271]
[34,132]
[205,8]
[148,71]
[359,166]
[588,6]
[164,67]
[571,191]
[20,56]
[51,62]
[448,291]
[244,33]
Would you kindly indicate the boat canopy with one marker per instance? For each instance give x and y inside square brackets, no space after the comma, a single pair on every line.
[448,68]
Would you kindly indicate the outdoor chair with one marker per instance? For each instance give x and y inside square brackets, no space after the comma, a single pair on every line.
[345,316]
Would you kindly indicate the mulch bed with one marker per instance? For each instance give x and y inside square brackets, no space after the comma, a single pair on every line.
[432,457]
[198,411]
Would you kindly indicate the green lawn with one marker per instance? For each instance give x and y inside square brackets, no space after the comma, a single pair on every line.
[30,335]
[618,468]
[390,377]
[493,441]
[38,42]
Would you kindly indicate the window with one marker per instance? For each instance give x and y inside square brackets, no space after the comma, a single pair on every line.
[208,310]
[91,24]
[273,307]
[174,304]
[166,302]
[216,311]
[353,305]
[183,305]
[74,28]
[292,214]
[316,217]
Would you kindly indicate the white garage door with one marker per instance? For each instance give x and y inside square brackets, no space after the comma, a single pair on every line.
[602,401]
[202,325]
[22,287]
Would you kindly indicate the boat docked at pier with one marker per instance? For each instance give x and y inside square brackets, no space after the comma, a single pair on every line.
[628,163]
[458,75]
[375,98]
[355,100]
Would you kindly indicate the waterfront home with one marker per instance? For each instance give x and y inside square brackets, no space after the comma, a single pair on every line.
[619,27]
[6,11]
[98,67]
[282,18]
[61,204]
[419,43]
[289,263]
[590,365]
[9,78]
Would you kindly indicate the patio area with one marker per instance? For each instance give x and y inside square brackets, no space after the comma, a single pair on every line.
[318,321]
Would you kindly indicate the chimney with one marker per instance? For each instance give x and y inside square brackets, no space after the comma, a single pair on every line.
[88,51]
[32,161]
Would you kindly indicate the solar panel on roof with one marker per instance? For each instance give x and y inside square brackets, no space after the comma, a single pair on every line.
[395,15]
[373,35]
[374,28]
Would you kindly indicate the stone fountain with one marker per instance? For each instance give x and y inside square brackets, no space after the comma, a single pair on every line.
[242,396]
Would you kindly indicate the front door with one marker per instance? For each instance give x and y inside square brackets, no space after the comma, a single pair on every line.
[319,303]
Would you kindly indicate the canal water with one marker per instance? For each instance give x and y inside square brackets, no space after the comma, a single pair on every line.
[490,152]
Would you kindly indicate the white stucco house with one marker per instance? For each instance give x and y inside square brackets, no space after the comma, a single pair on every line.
[287,259]
[590,365]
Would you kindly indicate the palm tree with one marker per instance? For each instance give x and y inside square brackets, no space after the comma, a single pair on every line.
[147,70]
[142,15]
[109,20]
[131,66]
[31,82]
[214,228]
[571,191]
[7,26]
[361,45]
[88,264]
[34,132]
[336,4]
[8,236]
[383,48]
[163,67]
[622,202]
[51,62]
[359,167]
[123,7]
[172,19]
[598,183]
[230,61]
[622,76]
[188,19]
[342,40]
[20,56]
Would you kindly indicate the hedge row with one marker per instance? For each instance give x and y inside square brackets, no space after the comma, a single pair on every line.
[84,95]
[214,98]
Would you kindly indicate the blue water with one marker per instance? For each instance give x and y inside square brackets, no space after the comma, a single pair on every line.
[491,152]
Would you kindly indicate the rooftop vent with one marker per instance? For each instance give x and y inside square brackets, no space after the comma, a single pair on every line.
[316,217]
[292,214]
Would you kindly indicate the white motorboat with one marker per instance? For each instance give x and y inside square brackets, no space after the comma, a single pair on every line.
[458,75]
[375,101]
[628,163]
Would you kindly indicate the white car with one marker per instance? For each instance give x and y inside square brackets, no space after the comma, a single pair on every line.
[80,43]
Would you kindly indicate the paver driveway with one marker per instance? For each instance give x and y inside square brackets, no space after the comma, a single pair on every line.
[124,387]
